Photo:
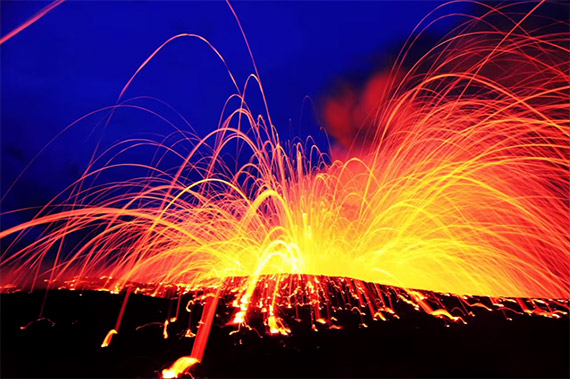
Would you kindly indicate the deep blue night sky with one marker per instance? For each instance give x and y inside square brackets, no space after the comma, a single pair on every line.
[77,59]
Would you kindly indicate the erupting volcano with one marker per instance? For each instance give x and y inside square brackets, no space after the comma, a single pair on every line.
[447,190]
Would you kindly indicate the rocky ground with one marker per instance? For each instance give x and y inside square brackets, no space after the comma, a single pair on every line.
[416,345]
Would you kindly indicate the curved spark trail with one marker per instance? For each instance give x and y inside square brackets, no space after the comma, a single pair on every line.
[30,21]
[461,188]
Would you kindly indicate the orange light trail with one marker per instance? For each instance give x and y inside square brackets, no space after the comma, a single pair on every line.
[31,20]
[457,182]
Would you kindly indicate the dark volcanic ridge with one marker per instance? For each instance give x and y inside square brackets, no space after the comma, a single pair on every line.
[500,337]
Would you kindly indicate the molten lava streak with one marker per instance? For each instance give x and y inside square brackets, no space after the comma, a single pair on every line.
[459,184]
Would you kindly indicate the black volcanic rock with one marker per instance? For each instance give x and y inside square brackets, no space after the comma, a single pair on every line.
[415,345]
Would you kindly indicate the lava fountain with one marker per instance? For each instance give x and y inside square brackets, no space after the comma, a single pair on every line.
[459,188]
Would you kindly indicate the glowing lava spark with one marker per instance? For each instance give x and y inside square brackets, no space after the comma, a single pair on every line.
[461,188]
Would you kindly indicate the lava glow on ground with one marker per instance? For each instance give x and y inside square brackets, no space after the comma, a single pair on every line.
[445,193]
